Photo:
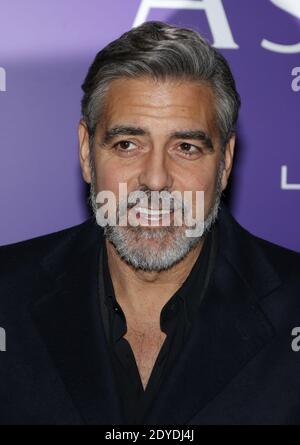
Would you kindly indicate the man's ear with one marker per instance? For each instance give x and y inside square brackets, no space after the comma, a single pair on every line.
[84,151]
[228,160]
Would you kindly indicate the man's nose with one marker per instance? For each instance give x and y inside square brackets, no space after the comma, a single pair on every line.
[156,174]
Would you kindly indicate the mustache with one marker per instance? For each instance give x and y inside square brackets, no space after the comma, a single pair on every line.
[153,199]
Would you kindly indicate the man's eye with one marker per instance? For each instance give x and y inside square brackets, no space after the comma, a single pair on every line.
[189,149]
[124,145]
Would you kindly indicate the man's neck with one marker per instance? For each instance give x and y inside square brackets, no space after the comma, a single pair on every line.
[143,293]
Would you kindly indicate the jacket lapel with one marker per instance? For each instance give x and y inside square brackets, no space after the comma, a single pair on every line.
[230,328]
[68,319]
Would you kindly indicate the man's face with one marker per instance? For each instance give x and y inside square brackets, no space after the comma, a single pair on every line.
[153,136]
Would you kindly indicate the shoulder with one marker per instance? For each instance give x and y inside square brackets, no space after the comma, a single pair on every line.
[22,253]
[249,246]
[278,255]
[270,262]
[260,262]
[27,266]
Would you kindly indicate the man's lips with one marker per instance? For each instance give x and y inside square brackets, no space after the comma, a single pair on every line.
[154,216]
[152,213]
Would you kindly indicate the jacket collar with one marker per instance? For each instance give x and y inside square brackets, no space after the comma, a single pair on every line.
[230,328]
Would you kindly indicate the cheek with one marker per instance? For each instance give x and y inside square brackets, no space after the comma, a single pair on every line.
[204,181]
[108,177]
[106,180]
[112,178]
[110,173]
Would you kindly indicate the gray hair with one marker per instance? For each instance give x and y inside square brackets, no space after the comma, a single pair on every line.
[162,51]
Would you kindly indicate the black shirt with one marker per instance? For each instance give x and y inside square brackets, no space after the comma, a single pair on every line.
[176,321]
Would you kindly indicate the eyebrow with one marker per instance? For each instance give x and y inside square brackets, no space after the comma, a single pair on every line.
[124,130]
[198,135]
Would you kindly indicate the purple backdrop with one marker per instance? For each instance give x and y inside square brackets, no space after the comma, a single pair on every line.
[45,50]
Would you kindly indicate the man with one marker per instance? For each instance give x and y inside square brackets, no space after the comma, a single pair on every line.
[143,322]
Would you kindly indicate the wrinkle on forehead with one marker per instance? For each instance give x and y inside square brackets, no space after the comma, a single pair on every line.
[147,98]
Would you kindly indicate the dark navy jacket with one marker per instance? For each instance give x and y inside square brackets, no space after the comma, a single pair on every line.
[238,366]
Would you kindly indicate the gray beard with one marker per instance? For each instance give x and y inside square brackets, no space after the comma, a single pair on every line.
[158,248]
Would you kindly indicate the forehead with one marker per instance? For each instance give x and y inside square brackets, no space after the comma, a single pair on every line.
[169,103]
